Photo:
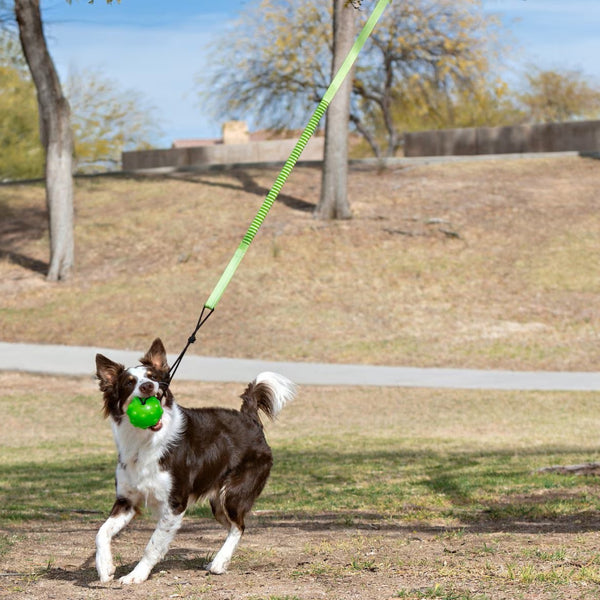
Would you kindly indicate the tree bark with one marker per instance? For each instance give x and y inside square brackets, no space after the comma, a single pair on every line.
[56,137]
[333,202]
[590,468]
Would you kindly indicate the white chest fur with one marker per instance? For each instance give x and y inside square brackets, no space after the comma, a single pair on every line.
[140,477]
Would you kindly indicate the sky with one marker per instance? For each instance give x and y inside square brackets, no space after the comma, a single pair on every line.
[159,47]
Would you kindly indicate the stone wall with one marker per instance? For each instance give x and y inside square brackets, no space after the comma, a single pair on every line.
[270,151]
[579,136]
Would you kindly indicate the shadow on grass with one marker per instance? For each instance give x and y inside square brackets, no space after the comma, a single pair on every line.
[56,490]
[325,489]
[248,184]
[409,490]
[31,264]
[16,225]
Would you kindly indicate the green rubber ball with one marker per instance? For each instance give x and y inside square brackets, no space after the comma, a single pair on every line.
[144,413]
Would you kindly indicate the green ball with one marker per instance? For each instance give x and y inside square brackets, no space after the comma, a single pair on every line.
[145,412]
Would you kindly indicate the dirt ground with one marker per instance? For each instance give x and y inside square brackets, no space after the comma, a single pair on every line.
[315,557]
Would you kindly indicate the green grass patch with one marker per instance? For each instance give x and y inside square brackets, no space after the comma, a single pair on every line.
[441,593]
[455,458]
[386,478]
[56,490]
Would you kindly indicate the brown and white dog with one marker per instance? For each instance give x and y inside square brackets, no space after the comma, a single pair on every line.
[213,453]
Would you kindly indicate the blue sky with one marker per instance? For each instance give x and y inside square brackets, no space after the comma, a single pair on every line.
[157,47]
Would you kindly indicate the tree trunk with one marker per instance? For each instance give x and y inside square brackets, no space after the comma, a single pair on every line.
[55,133]
[333,203]
[590,468]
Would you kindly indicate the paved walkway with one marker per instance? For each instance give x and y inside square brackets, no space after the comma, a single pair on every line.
[78,360]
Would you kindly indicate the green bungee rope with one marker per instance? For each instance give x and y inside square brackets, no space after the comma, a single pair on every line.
[291,161]
[309,130]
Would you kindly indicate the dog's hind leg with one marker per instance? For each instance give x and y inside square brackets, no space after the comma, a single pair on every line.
[121,514]
[220,562]
[166,528]
[235,499]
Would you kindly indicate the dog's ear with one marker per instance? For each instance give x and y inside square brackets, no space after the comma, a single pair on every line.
[156,357]
[107,372]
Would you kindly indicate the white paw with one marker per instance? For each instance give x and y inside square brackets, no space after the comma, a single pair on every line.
[216,568]
[106,571]
[131,578]
[136,576]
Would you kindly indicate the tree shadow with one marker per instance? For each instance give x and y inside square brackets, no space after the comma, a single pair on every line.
[27,262]
[250,185]
[486,492]
[19,225]
[360,521]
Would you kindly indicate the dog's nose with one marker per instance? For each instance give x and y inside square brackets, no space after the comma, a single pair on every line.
[147,388]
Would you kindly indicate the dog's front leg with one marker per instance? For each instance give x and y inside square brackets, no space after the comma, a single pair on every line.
[166,528]
[121,514]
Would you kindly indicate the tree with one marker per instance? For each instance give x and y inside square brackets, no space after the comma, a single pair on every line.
[274,63]
[106,121]
[426,58]
[554,96]
[21,154]
[427,53]
[333,203]
[104,118]
[55,133]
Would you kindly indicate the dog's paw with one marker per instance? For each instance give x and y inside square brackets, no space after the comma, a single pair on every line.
[216,568]
[132,578]
[138,575]
[106,572]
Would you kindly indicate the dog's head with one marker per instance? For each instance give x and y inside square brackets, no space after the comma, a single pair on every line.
[119,385]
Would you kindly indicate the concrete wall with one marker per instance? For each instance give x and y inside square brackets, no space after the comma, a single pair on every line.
[220,154]
[579,136]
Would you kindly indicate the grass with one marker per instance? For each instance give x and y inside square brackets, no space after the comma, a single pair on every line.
[428,493]
[438,591]
[439,487]
[434,492]
[517,288]
[470,458]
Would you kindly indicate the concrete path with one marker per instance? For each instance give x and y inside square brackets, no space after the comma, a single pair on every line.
[77,360]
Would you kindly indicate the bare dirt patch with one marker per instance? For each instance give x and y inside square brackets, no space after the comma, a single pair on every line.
[317,557]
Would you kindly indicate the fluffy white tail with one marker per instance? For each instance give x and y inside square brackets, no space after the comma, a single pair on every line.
[269,392]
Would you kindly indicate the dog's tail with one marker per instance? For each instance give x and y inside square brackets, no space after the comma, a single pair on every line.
[269,392]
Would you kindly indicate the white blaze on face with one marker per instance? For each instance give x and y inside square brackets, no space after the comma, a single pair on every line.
[140,374]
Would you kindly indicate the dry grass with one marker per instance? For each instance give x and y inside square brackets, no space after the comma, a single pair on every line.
[375,493]
[484,264]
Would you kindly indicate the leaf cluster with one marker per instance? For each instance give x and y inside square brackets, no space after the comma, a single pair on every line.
[274,63]
[105,119]
[21,153]
[552,96]
[427,62]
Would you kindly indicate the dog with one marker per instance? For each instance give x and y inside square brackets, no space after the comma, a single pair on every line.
[189,454]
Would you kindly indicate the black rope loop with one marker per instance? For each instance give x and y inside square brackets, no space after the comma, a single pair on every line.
[201,320]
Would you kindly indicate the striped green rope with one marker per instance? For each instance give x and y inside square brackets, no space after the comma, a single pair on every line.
[295,155]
